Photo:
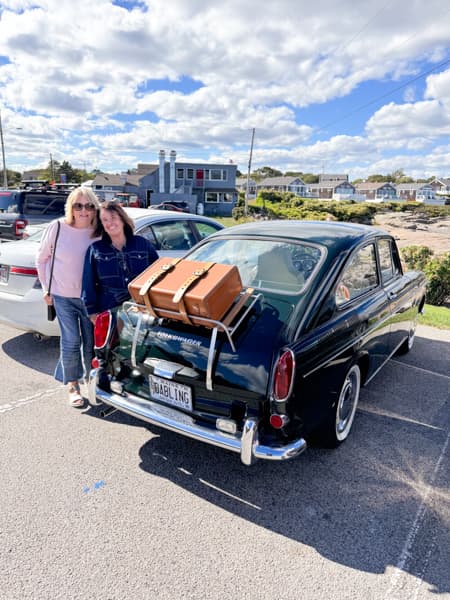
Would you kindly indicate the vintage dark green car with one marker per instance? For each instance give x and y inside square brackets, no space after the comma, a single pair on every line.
[328,304]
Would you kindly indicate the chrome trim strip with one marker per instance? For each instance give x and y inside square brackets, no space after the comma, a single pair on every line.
[246,445]
[353,342]
[211,353]
[135,339]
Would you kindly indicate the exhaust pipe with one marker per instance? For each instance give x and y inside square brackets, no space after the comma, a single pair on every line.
[107,411]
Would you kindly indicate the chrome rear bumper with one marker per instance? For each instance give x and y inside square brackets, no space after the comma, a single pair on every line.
[246,444]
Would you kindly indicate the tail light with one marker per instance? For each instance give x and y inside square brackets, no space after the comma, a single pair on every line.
[30,271]
[284,376]
[20,225]
[278,421]
[102,329]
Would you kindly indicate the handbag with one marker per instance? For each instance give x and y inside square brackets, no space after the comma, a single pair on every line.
[51,312]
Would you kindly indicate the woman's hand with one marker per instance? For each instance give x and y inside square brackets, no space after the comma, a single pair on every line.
[48,299]
[93,318]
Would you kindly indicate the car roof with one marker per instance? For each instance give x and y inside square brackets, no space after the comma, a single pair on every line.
[338,235]
[139,214]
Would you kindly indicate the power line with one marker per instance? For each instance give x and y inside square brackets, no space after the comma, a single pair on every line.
[378,98]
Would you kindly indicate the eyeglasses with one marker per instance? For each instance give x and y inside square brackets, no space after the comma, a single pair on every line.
[78,206]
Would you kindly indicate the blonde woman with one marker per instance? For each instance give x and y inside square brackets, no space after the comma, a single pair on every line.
[76,232]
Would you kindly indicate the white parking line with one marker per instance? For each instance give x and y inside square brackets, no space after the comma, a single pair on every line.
[28,399]
[407,555]
[427,371]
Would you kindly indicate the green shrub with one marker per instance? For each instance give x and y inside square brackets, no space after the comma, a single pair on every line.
[416,257]
[436,269]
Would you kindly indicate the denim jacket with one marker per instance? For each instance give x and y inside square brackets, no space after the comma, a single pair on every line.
[108,271]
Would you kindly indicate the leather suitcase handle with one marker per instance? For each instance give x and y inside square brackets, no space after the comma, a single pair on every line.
[163,270]
[178,297]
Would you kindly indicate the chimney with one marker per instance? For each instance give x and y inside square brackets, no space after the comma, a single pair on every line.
[173,155]
[162,156]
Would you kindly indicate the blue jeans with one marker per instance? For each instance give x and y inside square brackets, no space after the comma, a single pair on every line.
[77,339]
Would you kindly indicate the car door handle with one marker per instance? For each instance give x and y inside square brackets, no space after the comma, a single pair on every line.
[392,295]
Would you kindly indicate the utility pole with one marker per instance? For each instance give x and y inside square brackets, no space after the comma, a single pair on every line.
[248,173]
[51,168]
[5,176]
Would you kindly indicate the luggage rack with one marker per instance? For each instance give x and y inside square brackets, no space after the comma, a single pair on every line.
[229,324]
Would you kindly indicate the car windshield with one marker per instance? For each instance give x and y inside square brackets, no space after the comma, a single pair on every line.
[280,266]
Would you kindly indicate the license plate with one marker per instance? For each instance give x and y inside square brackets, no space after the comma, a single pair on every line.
[170,392]
[4,274]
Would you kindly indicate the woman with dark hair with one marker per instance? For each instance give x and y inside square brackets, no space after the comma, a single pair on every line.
[114,261]
[64,245]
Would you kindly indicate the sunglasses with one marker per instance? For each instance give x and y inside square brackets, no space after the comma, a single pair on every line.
[78,206]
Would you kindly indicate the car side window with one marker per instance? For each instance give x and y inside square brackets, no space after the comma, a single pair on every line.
[205,229]
[147,233]
[388,267]
[43,204]
[360,275]
[174,235]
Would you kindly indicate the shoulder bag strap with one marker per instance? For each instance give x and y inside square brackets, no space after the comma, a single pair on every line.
[53,257]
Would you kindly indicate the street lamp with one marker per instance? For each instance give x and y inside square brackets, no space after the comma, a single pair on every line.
[5,176]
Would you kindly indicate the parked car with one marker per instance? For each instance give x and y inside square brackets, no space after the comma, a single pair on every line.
[19,208]
[326,305]
[180,206]
[21,304]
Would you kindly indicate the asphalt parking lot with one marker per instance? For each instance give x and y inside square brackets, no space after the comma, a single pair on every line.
[113,508]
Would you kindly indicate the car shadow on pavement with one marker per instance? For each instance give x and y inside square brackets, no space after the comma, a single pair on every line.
[364,505]
[38,355]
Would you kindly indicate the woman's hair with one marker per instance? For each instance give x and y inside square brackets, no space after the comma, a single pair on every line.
[114,207]
[73,197]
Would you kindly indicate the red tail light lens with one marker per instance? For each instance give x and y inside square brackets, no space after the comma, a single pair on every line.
[20,226]
[284,375]
[102,329]
[24,271]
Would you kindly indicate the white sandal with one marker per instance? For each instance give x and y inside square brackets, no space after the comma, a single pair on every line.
[75,398]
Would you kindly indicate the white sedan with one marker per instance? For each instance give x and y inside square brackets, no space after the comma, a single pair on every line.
[21,303]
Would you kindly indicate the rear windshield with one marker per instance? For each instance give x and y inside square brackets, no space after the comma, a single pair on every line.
[280,266]
[8,202]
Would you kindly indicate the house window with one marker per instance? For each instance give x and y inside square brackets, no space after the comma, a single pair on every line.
[189,173]
[227,197]
[216,174]
[180,173]
[212,197]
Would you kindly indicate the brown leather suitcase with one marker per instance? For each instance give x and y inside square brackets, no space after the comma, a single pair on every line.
[183,289]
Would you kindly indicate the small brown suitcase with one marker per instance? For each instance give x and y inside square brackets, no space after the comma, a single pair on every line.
[187,289]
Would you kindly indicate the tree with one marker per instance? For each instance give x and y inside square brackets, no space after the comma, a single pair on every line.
[396,175]
[378,178]
[68,172]
[268,172]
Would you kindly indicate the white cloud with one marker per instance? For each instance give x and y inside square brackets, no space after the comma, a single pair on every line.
[71,68]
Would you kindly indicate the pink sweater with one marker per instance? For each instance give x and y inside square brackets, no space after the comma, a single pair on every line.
[69,258]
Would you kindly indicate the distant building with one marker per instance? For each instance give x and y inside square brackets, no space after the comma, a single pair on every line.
[295,185]
[332,177]
[441,188]
[241,186]
[416,192]
[377,191]
[338,189]
[207,188]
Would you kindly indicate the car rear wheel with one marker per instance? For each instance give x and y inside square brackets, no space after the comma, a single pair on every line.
[341,414]
[409,342]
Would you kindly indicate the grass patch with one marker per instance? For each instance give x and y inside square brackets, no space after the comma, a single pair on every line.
[226,221]
[436,316]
